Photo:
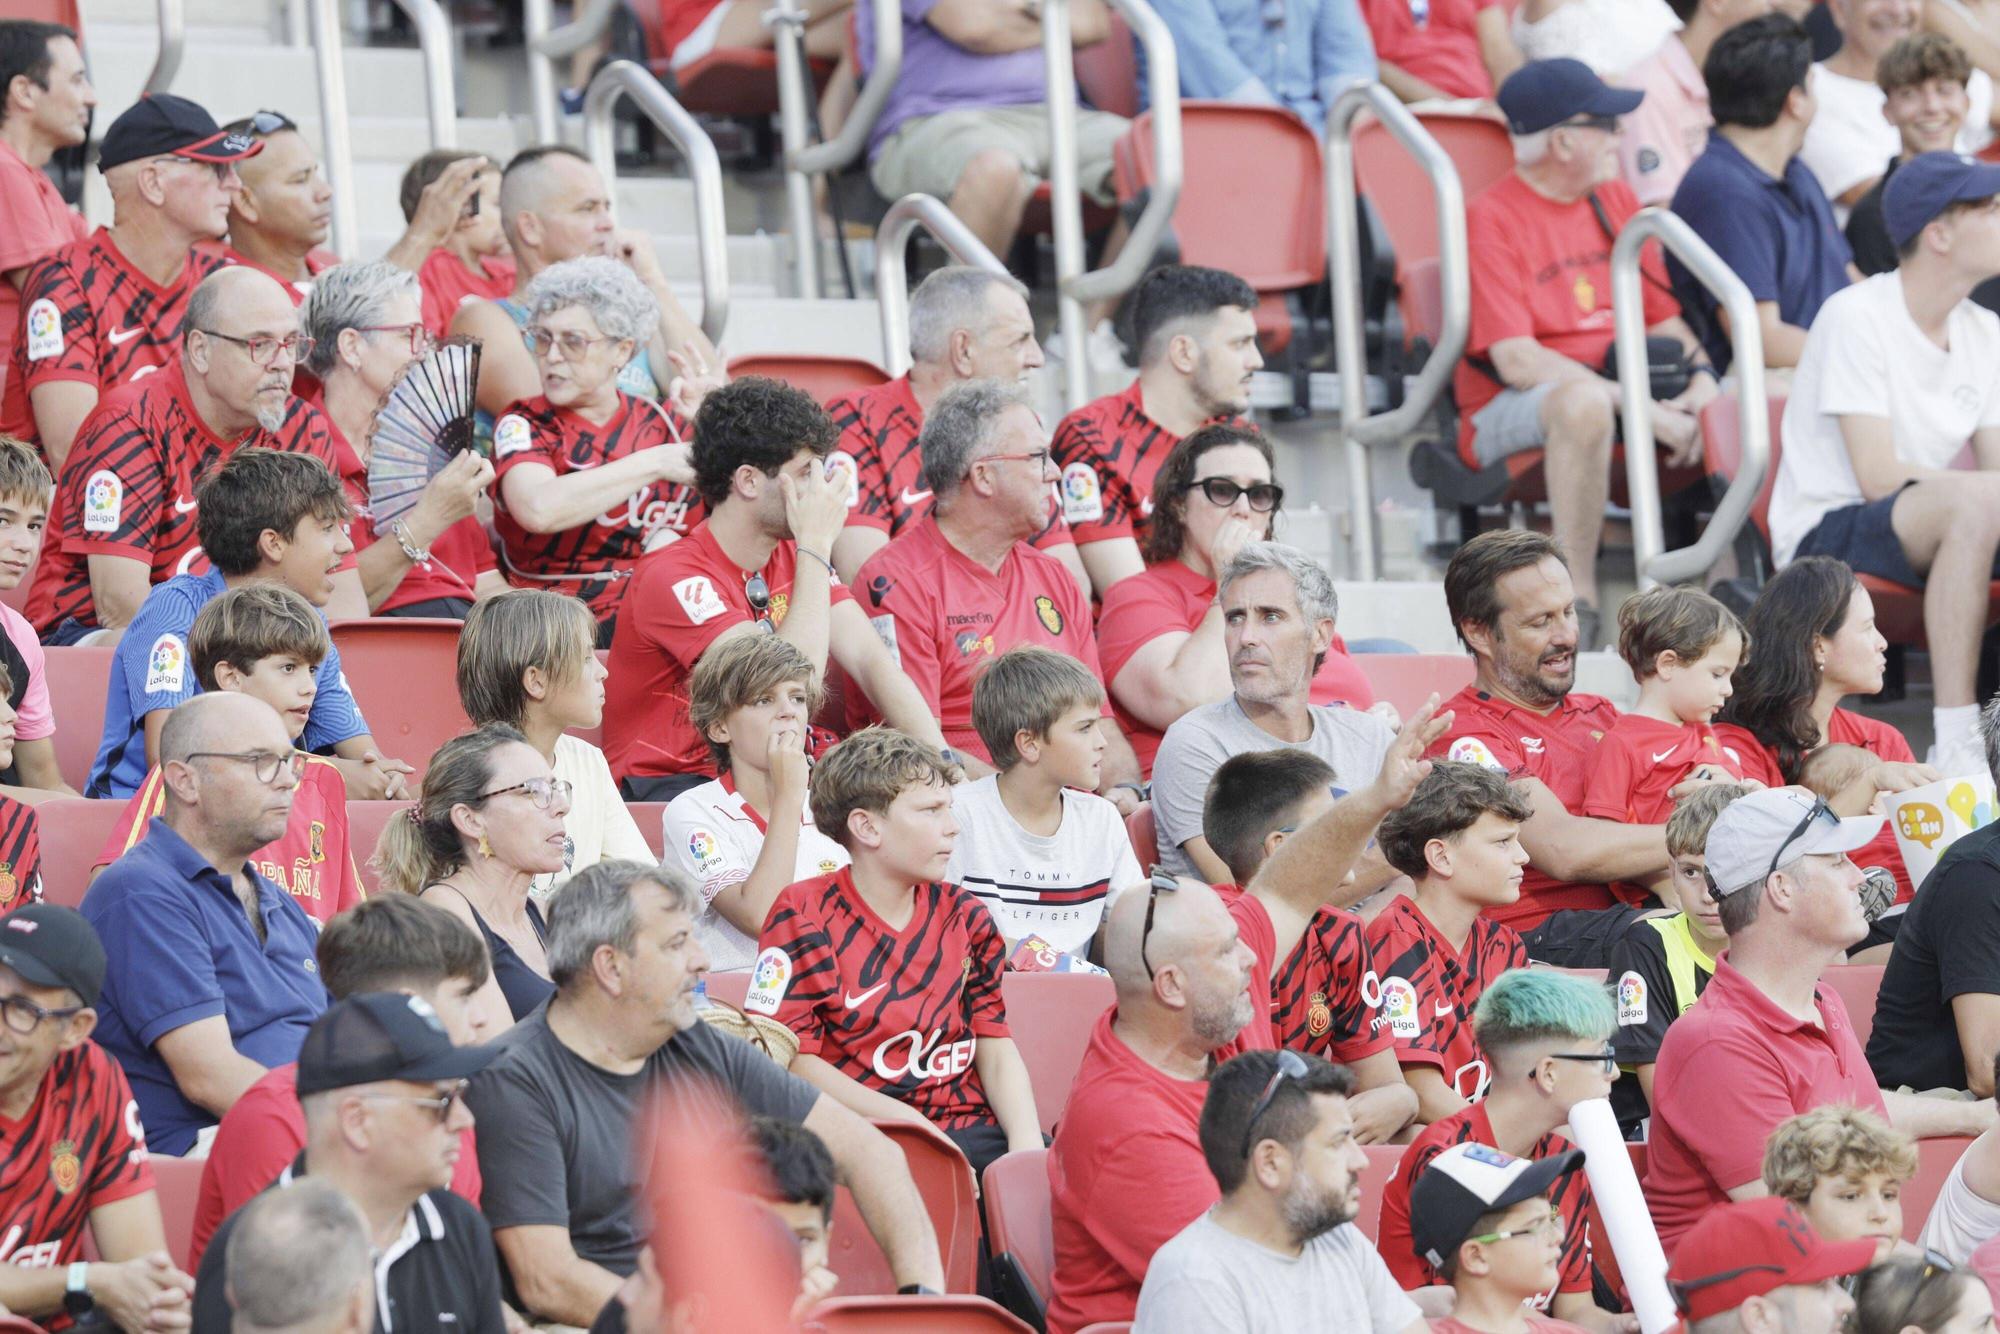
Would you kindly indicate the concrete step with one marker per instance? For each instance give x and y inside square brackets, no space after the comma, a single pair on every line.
[232,79]
[201,14]
[784,324]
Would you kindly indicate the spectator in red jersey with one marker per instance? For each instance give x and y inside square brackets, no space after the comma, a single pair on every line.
[965,324]
[1278,1250]
[279,220]
[366,328]
[555,207]
[1759,1265]
[25,494]
[1683,646]
[1546,1037]
[758,564]
[470,262]
[963,583]
[1196,331]
[1486,1198]
[20,829]
[1443,49]
[1459,841]
[1160,632]
[589,476]
[1513,606]
[1766,1041]
[1533,376]
[46,106]
[1325,996]
[125,514]
[100,312]
[1667,131]
[936,1042]
[391,943]
[1192,973]
[691,29]
[76,1151]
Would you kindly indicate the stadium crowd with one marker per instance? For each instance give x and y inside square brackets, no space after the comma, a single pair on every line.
[923,696]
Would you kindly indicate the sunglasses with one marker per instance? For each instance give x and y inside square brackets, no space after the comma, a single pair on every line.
[1291,1065]
[441,1105]
[1820,810]
[758,594]
[1161,882]
[1222,493]
[1609,124]
[1682,1291]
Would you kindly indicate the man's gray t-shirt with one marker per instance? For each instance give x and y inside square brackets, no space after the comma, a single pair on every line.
[556,1132]
[1208,1280]
[1196,745]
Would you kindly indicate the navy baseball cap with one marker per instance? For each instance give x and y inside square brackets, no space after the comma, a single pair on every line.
[1927,185]
[1543,93]
[163,125]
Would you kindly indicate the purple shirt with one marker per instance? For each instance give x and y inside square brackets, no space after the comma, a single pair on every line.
[940,75]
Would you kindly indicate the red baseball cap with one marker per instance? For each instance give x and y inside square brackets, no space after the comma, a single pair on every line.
[1753,1247]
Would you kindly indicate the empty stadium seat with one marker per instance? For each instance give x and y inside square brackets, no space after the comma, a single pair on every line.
[1399,190]
[1407,679]
[944,1179]
[732,81]
[1935,1159]
[1383,1160]
[1052,1016]
[365,820]
[403,671]
[912,1315]
[821,376]
[1856,984]
[1019,1232]
[650,816]
[78,679]
[72,830]
[1141,829]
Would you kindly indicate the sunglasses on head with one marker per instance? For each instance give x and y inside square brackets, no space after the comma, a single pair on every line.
[1291,1065]
[1162,881]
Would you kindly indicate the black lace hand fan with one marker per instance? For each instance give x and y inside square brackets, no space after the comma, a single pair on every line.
[424,422]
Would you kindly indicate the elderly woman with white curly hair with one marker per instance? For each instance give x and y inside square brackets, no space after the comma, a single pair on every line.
[590,477]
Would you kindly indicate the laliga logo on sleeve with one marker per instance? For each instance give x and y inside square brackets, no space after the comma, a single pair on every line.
[768,980]
[511,436]
[1399,1007]
[1631,999]
[843,473]
[45,336]
[1082,500]
[103,502]
[165,662]
[703,848]
[1471,750]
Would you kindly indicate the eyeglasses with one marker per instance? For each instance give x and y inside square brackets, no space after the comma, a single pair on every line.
[1291,1065]
[264,763]
[546,793]
[1606,1060]
[1222,493]
[1682,1291]
[575,346]
[1819,809]
[1548,1225]
[420,337]
[441,1105]
[264,349]
[1038,457]
[1609,124]
[24,1016]
[1162,881]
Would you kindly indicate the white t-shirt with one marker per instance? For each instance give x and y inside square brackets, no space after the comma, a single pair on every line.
[1849,141]
[1610,36]
[598,827]
[1208,1280]
[1865,356]
[716,838]
[1055,887]
[1960,1221]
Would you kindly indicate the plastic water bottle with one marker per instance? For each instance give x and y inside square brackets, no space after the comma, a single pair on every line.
[701,1001]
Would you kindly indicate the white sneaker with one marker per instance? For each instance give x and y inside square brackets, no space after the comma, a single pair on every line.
[1965,758]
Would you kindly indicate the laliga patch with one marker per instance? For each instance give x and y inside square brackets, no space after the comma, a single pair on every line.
[45,338]
[885,626]
[1471,750]
[166,664]
[768,980]
[1631,999]
[699,599]
[842,474]
[103,502]
[511,435]
[1399,1007]
[1082,499]
[705,851]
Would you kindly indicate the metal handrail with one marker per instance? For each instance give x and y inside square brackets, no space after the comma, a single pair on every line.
[626,78]
[588,25]
[892,284]
[1654,563]
[173,41]
[885,67]
[1358,429]
[329,61]
[537,20]
[433,30]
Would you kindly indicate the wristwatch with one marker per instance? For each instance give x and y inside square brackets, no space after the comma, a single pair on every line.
[917,1290]
[77,1301]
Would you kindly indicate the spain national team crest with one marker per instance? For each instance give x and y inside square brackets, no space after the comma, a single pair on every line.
[316,840]
[1049,614]
[65,1168]
[1318,1017]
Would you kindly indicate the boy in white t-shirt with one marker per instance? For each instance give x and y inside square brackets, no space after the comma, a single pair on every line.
[1039,849]
[1897,378]
[746,835]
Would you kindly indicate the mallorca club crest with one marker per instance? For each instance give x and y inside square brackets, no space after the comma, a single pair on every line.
[1049,614]
[65,1168]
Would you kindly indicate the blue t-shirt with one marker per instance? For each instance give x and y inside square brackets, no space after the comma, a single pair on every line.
[181,949]
[1778,235]
[151,670]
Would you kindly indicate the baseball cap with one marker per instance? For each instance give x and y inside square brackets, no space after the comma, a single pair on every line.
[1927,185]
[1543,93]
[1468,1181]
[1778,825]
[53,946]
[163,125]
[1752,1247]
[368,1038]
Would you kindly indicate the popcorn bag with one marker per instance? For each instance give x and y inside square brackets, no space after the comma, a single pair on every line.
[1931,818]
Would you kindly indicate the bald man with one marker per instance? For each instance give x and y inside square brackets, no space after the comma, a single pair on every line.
[555,206]
[211,978]
[1192,971]
[108,309]
[124,512]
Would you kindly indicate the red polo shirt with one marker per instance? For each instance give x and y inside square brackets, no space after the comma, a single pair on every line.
[1731,1068]
[1559,748]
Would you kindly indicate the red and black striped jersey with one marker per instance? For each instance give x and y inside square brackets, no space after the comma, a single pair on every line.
[1109,451]
[128,487]
[80,1146]
[20,855]
[900,1010]
[1429,989]
[1326,999]
[878,448]
[595,559]
[88,315]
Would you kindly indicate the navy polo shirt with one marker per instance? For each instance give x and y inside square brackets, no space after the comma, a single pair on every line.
[1778,235]
[181,949]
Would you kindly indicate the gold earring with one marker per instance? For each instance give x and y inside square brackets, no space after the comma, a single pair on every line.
[485,848]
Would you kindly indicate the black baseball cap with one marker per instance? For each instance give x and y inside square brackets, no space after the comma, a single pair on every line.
[1544,93]
[1468,1181]
[382,1035]
[53,946]
[163,125]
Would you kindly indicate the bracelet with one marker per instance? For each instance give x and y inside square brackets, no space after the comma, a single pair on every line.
[401,532]
[808,551]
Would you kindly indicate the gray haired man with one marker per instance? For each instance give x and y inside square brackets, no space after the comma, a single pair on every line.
[301,1263]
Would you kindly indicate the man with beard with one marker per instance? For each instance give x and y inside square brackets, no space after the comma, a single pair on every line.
[1279,1251]
[1196,331]
[45,105]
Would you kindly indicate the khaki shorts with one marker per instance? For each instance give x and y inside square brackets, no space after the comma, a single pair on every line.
[927,154]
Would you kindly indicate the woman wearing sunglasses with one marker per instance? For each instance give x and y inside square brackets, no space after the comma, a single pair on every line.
[1160,633]
[1921,1296]
[489,821]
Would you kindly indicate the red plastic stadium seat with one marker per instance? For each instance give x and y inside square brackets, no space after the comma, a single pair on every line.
[404,675]
[650,817]
[1140,828]
[1400,192]
[72,830]
[1935,1159]
[1383,1160]
[1107,72]
[1052,1015]
[365,820]
[729,987]
[732,81]
[1108,1327]
[912,1315]
[1407,679]
[1018,1228]
[944,1179]
[1856,984]
[78,680]
[178,1183]
[821,376]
